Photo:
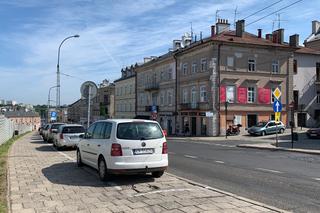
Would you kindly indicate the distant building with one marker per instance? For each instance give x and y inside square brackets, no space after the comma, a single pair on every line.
[125,93]
[31,119]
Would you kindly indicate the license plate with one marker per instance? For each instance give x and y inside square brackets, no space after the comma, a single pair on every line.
[143,151]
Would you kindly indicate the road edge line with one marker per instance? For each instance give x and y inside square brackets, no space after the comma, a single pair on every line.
[229,194]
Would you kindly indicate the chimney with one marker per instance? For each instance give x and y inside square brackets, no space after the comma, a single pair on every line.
[222,26]
[259,33]
[315,26]
[278,36]
[239,28]
[269,37]
[213,31]
[294,40]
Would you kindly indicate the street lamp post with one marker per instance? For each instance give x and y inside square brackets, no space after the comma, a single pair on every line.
[58,72]
[49,102]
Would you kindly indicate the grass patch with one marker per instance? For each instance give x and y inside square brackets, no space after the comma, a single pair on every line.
[4,148]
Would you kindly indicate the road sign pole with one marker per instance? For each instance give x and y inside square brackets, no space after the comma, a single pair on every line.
[276,134]
[89,100]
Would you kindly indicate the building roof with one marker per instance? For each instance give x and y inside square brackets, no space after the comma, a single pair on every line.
[307,50]
[124,78]
[11,114]
[247,38]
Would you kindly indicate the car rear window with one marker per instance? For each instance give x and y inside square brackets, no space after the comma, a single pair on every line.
[55,126]
[73,129]
[139,131]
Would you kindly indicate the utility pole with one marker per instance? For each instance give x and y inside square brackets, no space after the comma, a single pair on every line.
[226,112]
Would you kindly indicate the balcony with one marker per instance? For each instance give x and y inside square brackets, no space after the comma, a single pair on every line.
[151,86]
[195,106]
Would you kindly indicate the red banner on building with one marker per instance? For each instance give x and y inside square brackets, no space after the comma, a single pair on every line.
[222,94]
[242,95]
[264,95]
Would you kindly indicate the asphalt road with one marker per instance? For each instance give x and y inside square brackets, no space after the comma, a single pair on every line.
[289,181]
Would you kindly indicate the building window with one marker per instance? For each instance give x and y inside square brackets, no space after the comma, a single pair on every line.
[161,98]
[141,99]
[203,94]
[251,65]
[230,94]
[295,67]
[203,65]
[185,69]
[275,66]
[193,97]
[251,94]
[194,67]
[162,76]
[131,88]
[318,72]
[230,62]
[185,96]
[169,94]
[170,74]
[318,97]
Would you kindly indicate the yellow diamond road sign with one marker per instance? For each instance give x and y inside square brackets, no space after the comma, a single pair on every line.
[277,93]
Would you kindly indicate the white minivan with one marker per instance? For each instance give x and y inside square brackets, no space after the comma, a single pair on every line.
[124,146]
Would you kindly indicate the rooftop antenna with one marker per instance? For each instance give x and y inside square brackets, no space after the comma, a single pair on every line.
[217,14]
[235,17]
[191,30]
[279,20]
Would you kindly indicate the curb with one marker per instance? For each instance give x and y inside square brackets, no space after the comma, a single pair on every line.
[279,149]
[272,208]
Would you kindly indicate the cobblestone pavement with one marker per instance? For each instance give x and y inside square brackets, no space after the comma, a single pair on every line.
[42,179]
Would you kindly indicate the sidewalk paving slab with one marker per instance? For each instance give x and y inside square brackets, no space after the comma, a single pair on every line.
[42,179]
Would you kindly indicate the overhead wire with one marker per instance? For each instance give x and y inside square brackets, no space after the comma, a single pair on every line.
[263,9]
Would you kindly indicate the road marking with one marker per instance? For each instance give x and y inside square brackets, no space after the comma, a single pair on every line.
[269,170]
[114,185]
[162,191]
[318,179]
[65,155]
[191,156]
[219,161]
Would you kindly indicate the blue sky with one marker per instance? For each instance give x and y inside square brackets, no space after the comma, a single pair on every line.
[113,34]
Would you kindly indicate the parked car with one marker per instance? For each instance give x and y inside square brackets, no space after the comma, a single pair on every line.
[313,133]
[45,132]
[68,135]
[52,130]
[267,127]
[124,146]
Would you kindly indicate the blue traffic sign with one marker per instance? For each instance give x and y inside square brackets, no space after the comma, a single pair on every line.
[53,114]
[277,106]
[154,108]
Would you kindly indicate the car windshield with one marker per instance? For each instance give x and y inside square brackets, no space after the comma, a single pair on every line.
[261,124]
[55,126]
[139,131]
[73,129]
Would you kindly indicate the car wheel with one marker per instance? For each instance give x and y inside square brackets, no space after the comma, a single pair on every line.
[263,133]
[157,174]
[79,161]
[103,174]
[281,131]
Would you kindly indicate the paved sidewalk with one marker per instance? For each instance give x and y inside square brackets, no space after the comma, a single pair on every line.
[42,179]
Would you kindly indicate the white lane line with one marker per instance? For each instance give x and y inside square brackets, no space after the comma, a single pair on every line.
[162,191]
[219,161]
[191,156]
[318,179]
[269,170]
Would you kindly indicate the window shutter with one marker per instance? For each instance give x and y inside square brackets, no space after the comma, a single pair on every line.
[264,95]
[222,94]
[242,95]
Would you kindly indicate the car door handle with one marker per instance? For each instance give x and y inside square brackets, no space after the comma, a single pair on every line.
[98,145]
[88,144]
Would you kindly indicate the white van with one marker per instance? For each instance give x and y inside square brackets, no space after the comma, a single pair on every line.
[123,146]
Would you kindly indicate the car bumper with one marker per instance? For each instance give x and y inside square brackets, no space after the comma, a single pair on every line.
[67,144]
[136,171]
[139,165]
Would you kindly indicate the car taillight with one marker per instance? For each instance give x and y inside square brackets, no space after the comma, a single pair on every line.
[164,133]
[164,148]
[61,136]
[116,149]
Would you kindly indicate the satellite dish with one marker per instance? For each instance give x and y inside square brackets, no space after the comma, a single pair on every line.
[85,90]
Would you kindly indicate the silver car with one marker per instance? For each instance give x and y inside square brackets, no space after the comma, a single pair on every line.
[68,135]
[267,127]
